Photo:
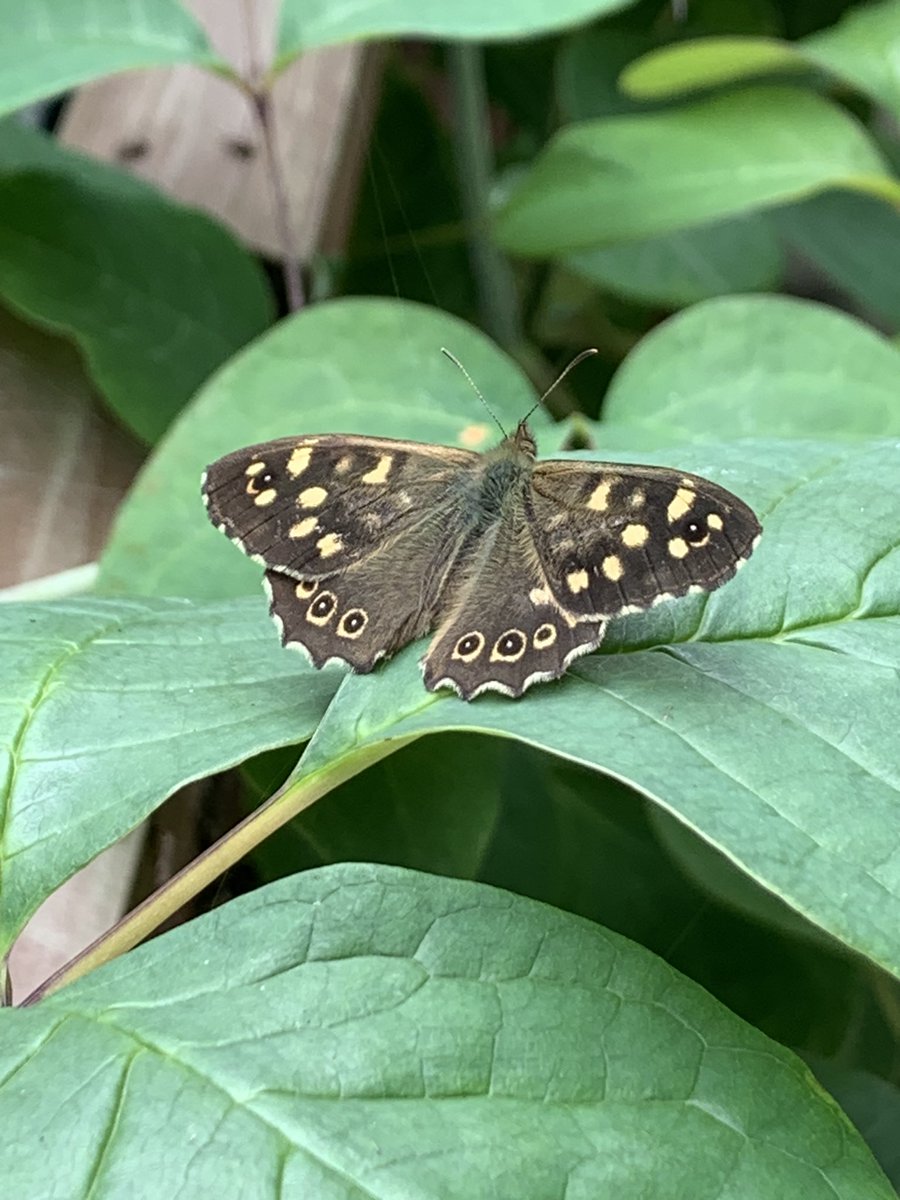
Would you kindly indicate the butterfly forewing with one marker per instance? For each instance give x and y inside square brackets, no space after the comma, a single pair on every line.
[311,506]
[614,539]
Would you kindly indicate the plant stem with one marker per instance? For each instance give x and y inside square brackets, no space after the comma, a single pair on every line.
[474,162]
[290,265]
[286,803]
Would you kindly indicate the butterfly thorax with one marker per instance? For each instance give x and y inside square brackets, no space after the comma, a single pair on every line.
[504,475]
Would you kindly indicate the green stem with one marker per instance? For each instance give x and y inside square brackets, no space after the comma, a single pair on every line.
[287,802]
[474,161]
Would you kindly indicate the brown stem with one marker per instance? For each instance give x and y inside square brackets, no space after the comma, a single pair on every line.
[290,265]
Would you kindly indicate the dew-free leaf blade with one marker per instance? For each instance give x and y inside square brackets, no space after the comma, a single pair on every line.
[109,706]
[155,295]
[308,23]
[755,366]
[51,45]
[364,1031]
[751,715]
[631,177]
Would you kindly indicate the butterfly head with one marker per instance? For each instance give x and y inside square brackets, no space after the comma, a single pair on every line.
[523,440]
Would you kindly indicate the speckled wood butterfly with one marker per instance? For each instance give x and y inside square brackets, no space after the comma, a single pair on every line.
[516,566]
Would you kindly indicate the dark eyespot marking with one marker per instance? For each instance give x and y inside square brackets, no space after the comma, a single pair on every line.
[469,646]
[509,646]
[322,608]
[695,530]
[353,622]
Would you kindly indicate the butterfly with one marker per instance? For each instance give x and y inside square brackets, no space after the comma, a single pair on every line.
[514,565]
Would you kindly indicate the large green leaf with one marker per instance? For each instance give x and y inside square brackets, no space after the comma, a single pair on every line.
[861,50]
[632,177]
[731,712]
[735,714]
[367,1032]
[674,269]
[109,706]
[51,45]
[308,23]
[750,365]
[349,366]
[156,295]
[855,240]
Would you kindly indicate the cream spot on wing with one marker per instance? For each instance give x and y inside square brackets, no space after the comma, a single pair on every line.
[577,581]
[544,637]
[612,568]
[305,588]
[539,595]
[681,503]
[381,470]
[634,536]
[662,598]
[343,465]
[299,460]
[678,547]
[637,498]
[255,468]
[330,544]
[599,497]
[304,528]
[473,435]
[265,498]
[714,521]
[311,497]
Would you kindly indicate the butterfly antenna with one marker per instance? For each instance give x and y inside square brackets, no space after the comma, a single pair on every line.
[579,358]
[475,388]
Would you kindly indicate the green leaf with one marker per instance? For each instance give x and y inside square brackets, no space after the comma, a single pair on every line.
[363,1031]
[106,261]
[631,177]
[109,706]
[854,240]
[675,269]
[861,50]
[349,366]
[51,45]
[757,365]
[707,62]
[732,711]
[308,23]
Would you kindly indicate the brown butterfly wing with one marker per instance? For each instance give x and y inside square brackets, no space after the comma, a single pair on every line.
[615,538]
[311,506]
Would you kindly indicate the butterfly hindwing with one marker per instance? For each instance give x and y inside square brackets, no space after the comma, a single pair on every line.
[373,607]
[617,538]
[502,629]
[311,506]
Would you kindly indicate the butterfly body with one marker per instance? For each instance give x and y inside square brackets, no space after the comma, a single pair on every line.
[514,565]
